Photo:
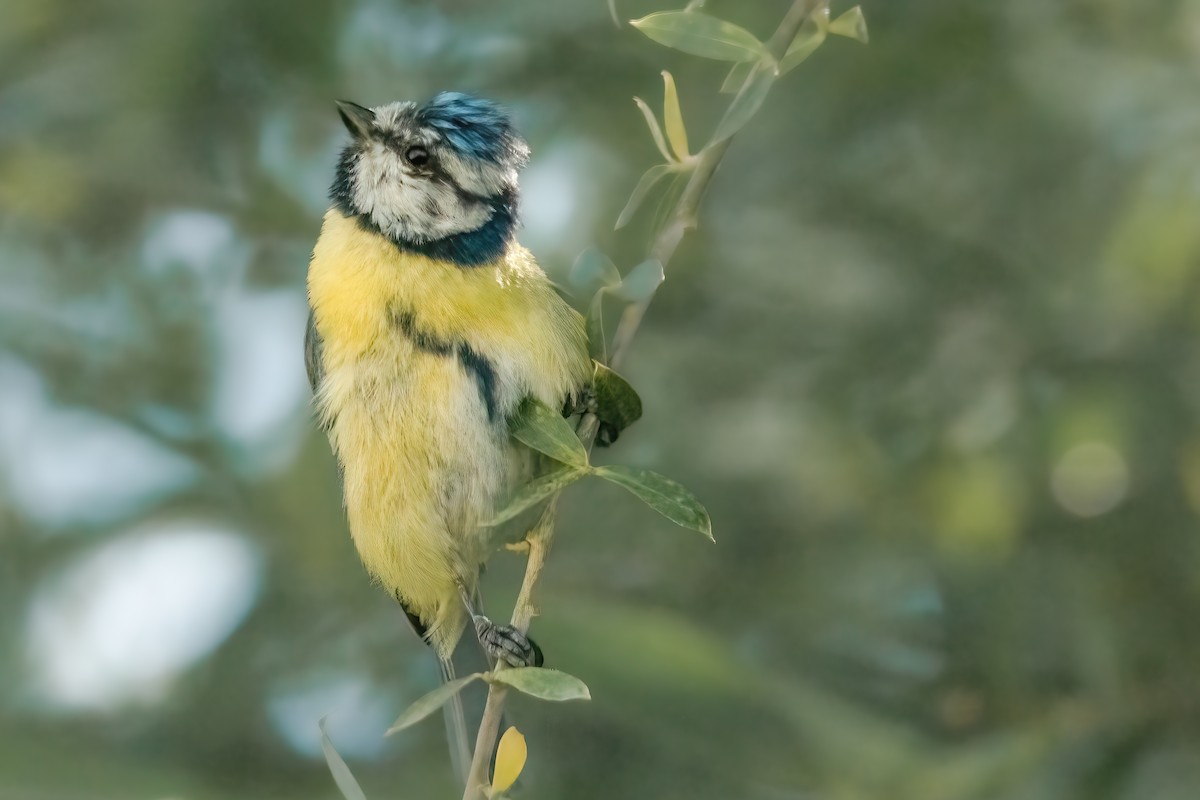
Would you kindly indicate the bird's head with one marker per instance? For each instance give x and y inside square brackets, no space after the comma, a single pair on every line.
[442,175]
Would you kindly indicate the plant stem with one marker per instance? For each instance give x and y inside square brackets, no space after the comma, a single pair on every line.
[538,540]
[682,219]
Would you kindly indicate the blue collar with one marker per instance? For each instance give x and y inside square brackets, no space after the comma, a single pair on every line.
[474,248]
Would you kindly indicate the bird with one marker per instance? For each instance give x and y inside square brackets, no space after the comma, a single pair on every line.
[429,326]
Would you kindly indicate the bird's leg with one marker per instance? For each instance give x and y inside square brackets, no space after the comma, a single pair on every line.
[503,642]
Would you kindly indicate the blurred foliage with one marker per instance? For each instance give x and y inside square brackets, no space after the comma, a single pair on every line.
[930,360]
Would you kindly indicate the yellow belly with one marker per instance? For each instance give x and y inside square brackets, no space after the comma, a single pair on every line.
[422,467]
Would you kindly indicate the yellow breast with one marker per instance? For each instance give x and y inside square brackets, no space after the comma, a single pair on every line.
[357,278]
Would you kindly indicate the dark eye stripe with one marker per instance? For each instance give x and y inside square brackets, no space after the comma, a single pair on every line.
[400,143]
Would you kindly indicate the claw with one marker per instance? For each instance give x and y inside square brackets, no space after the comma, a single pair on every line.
[507,644]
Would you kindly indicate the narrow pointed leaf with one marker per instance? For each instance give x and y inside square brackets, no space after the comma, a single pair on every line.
[544,684]
[537,490]
[701,35]
[542,428]
[510,761]
[597,337]
[642,281]
[664,495]
[617,403]
[747,103]
[592,270]
[852,25]
[652,124]
[612,10]
[673,118]
[737,76]
[652,176]
[342,776]
[430,703]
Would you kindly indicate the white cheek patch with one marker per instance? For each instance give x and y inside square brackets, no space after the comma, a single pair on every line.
[408,206]
[475,176]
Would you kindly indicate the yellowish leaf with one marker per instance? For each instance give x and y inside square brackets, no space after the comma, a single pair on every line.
[510,760]
[673,118]
[852,25]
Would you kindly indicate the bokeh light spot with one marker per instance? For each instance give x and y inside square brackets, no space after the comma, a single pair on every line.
[120,623]
[1090,479]
[357,713]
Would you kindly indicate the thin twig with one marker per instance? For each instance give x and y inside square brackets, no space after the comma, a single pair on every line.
[538,540]
[682,219]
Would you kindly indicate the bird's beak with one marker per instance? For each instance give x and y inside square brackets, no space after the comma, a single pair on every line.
[358,120]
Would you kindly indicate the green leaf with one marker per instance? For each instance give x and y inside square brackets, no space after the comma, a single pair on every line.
[655,131]
[591,270]
[852,25]
[652,176]
[737,76]
[810,36]
[642,281]
[594,323]
[673,118]
[612,10]
[543,683]
[617,403]
[664,495]
[543,429]
[342,776]
[747,102]
[701,35]
[430,703]
[536,491]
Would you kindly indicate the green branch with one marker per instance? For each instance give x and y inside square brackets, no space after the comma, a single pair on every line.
[682,219]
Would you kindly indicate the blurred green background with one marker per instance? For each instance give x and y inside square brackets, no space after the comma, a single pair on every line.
[931,361]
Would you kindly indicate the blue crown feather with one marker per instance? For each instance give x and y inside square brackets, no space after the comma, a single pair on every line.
[475,127]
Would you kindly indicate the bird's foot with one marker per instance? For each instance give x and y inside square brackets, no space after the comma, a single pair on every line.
[582,402]
[586,402]
[507,644]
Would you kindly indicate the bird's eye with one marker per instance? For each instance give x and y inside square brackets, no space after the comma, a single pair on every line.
[417,156]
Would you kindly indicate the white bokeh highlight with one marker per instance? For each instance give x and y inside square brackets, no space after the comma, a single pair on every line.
[66,466]
[118,625]
[203,241]
[559,201]
[261,394]
[357,712]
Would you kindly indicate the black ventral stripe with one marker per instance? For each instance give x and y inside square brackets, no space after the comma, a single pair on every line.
[468,357]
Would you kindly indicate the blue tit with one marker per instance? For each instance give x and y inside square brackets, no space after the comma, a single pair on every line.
[429,326]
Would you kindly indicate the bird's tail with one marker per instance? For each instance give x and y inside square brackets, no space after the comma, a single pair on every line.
[457,733]
[464,711]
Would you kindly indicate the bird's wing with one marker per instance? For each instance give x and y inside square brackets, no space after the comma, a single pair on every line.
[312,353]
[313,363]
